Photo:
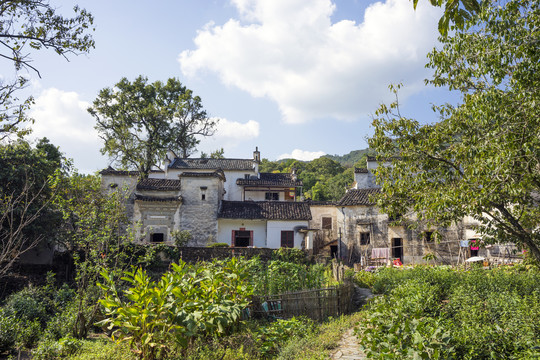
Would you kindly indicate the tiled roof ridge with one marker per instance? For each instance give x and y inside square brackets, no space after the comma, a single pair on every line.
[158,184]
[358,197]
[268,210]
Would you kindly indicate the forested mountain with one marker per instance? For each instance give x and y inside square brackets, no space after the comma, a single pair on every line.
[325,178]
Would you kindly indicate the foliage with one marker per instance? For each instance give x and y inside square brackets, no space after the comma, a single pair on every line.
[440,313]
[277,276]
[181,238]
[56,349]
[322,339]
[139,122]
[26,212]
[186,302]
[482,158]
[27,26]
[8,331]
[454,13]
[273,336]
[218,245]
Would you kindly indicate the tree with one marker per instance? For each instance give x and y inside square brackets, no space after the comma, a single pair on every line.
[27,215]
[483,158]
[27,26]
[454,13]
[139,122]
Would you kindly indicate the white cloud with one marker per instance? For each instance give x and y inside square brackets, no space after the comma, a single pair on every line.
[62,117]
[229,135]
[237,131]
[291,52]
[302,155]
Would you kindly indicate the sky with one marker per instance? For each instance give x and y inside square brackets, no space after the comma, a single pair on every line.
[295,78]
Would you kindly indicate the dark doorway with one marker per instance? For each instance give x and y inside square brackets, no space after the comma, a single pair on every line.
[157,237]
[333,251]
[242,238]
[397,248]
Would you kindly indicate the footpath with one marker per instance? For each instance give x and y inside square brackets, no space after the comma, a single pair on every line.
[348,348]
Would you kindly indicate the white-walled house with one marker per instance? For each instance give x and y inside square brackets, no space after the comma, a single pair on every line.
[216,200]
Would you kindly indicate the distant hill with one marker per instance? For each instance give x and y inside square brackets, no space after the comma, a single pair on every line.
[348,160]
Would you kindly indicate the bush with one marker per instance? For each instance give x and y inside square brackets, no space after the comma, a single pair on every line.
[272,337]
[218,245]
[8,331]
[28,304]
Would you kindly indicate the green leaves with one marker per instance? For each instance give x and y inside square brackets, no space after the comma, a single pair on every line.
[190,300]
[139,122]
[482,158]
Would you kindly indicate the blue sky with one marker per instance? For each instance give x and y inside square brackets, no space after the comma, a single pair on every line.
[297,78]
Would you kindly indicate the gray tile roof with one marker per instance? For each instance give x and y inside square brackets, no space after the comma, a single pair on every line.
[358,197]
[361,170]
[213,164]
[266,210]
[158,199]
[218,174]
[111,171]
[158,184]
[271,179]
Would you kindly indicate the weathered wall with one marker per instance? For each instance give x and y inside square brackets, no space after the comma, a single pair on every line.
[199,216]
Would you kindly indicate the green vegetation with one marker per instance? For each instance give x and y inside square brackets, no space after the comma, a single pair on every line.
[442,313]
[482,158]
[139,122]
[325,178]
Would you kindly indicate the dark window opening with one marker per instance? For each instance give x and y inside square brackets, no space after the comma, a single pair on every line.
[157,237]
[327,223]
[247,176]
[242,238]
[429,236]
[397,248]
[364,238]
[272,196]
[287,239]
[203,196]
[333,251]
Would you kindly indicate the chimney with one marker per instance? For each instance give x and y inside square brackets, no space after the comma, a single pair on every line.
[257,155]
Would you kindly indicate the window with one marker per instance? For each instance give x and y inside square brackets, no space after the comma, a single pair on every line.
[203,193]
[272,196]
[429,236]
[364,238]
[287,239]
[247,176]
[327,223]
[157,237]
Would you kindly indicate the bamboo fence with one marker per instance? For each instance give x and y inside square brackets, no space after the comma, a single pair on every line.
[317,304]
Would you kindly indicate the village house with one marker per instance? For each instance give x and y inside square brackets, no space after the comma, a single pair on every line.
[215,200]
[355,230]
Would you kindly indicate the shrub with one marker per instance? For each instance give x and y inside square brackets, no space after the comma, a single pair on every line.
[272,337]
[28,304]
[8,331]
[218,245]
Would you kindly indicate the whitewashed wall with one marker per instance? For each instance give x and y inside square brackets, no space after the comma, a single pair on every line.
[274,229]
[226,227]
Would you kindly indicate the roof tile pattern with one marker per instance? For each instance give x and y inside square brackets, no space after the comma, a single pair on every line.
[358,197]
[158,199]
[361,170]
[158,184]
[266,210]
[213,164]
[271,179]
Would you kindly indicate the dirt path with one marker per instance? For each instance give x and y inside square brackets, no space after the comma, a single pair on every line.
[348,348]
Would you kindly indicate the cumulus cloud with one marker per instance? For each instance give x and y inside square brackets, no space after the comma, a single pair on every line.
[291,52]
[61,116]
[234,130]
[230,134]
[302,155]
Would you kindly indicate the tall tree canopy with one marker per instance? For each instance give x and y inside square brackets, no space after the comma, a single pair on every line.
[483,158]
[27,214]
[27,26]
[139,122]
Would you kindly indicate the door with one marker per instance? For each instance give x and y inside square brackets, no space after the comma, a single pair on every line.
[397,248]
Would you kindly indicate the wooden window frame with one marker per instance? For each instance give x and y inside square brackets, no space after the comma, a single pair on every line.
[233,239]
[326,223]
[288,239]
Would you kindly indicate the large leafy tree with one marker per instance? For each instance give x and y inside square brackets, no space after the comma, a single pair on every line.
[27,213]
[140,121]
[27,26]
[483,158]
